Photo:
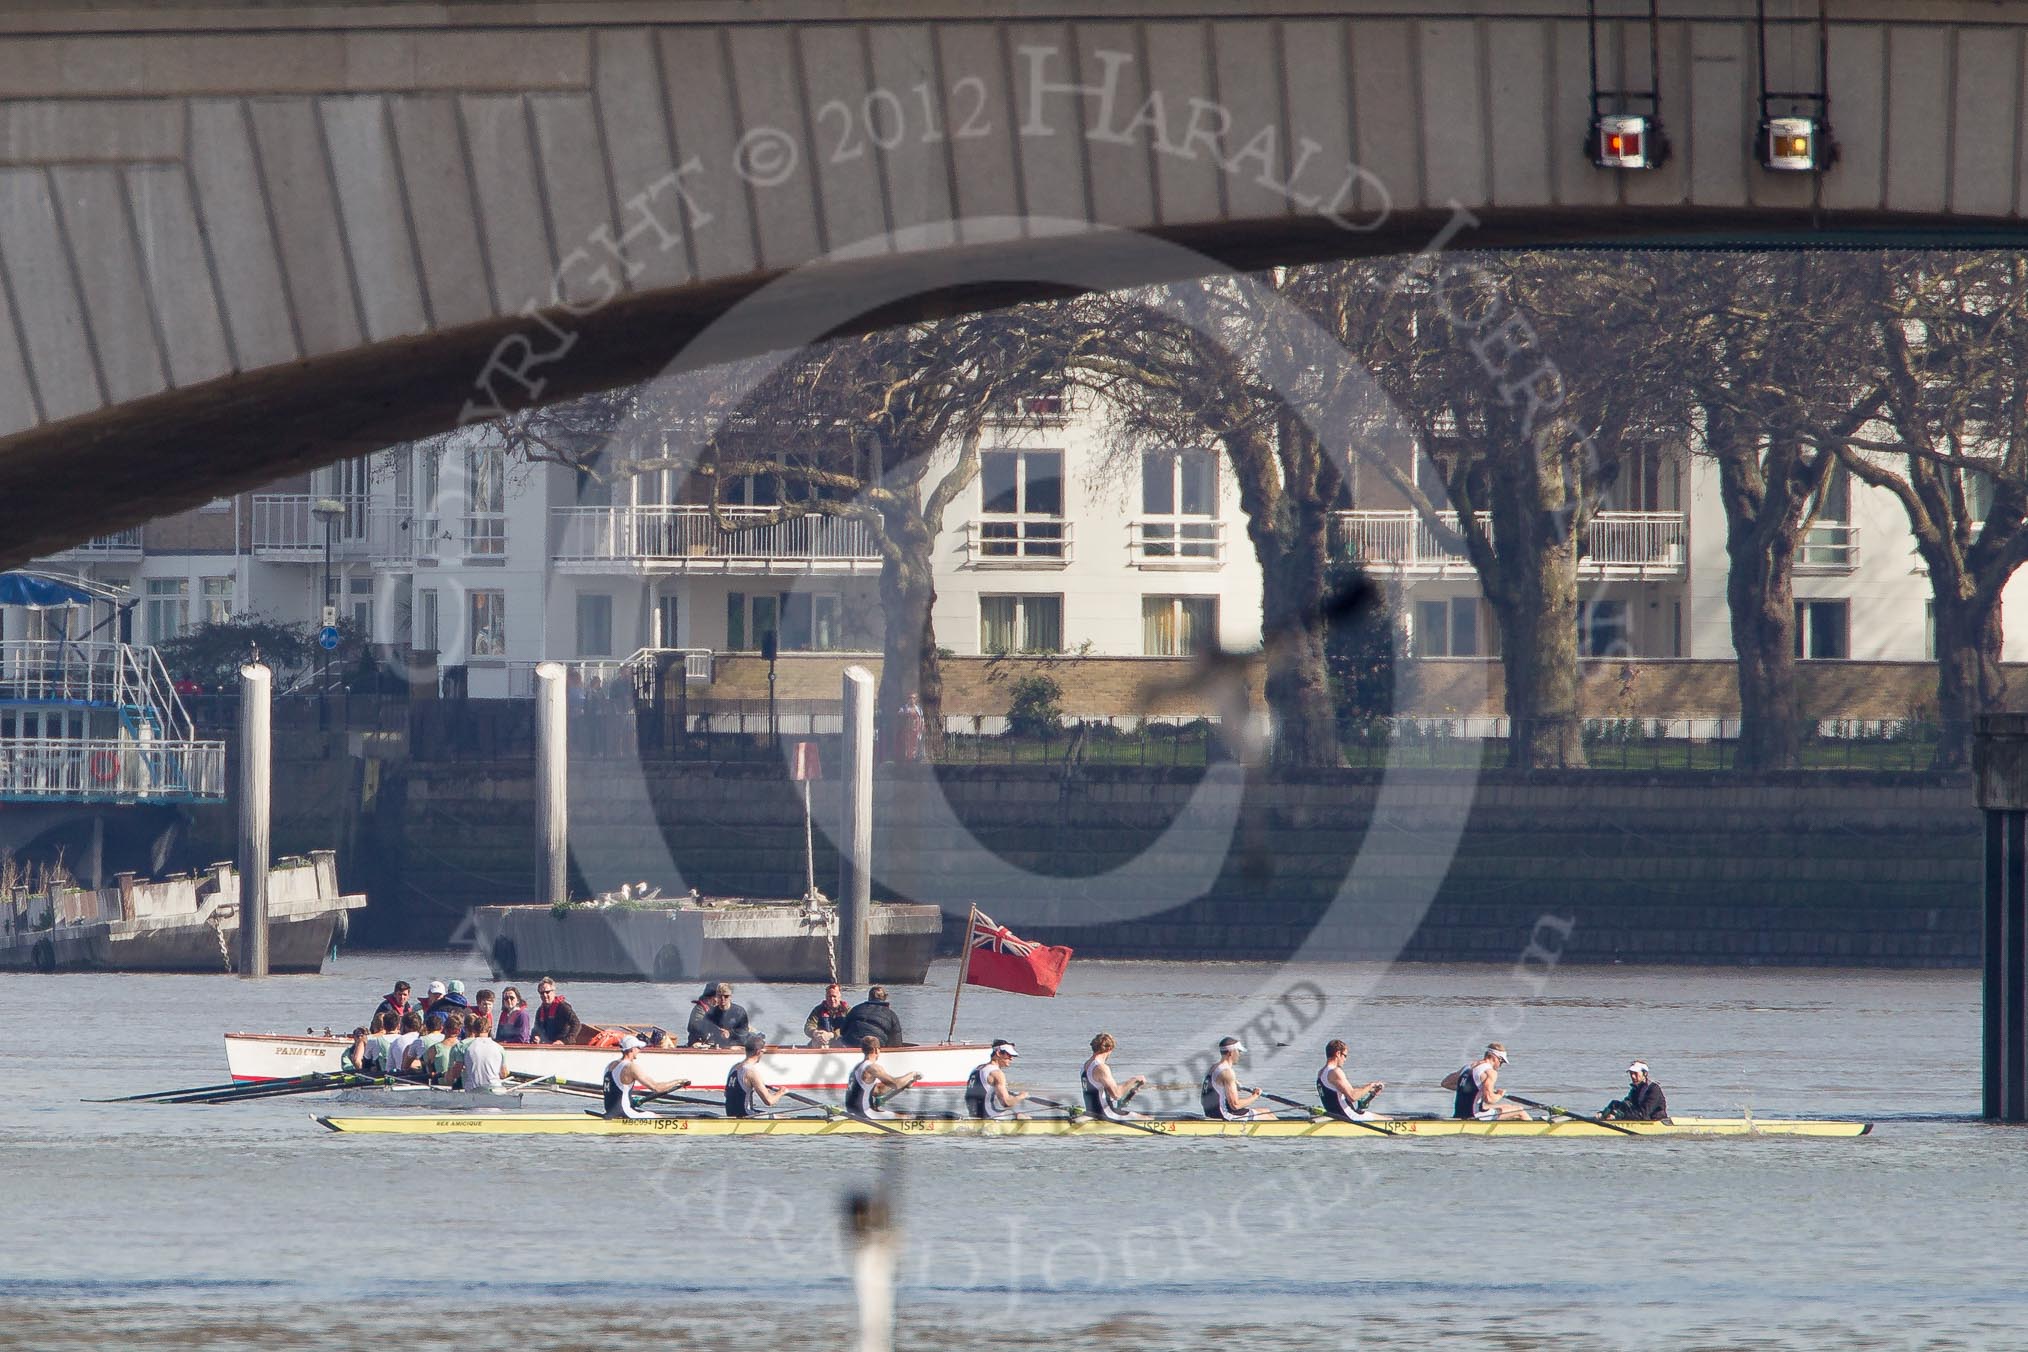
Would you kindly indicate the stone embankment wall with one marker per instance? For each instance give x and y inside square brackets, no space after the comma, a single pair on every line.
[1816,869]
[1166,688]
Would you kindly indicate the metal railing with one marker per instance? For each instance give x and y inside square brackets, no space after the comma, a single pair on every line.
[686,539]
[110,769]
[599,673]
[283,525]
[121,544]
[1040,541]
[1617,544]
[1828,547]
[1176,542]
[109,675]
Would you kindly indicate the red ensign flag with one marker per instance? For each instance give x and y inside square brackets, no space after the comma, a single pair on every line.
[1001,961]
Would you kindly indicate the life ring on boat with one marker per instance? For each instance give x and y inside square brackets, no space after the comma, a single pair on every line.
[105,767]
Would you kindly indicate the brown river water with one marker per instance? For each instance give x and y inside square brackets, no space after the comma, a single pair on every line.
[248,1226]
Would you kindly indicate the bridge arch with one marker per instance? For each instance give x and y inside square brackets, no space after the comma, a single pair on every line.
[245,239]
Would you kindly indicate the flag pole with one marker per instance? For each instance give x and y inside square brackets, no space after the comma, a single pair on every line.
[964,969]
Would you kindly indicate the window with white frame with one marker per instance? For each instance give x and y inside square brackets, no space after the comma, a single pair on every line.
[1020,624]
[359,601]
[1179,505]
[1178,626]
[1823,630]
[485,501]
[1447,628]
[1021,505]
[1828,541]
[426,620]
[594,624]
[1605,629]
[168,608]
[489,623]
[217,594]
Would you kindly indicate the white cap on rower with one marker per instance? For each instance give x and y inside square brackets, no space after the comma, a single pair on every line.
[1231,1044]
[630,1042]
[436,988]
[1006,1047]
[1639,1067]
[1496,1050]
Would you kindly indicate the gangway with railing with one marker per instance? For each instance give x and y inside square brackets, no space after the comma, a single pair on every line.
[92,719]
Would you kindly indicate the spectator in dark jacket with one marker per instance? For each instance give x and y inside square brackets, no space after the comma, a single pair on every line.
[715,1021]
[873,1017]
[555,1020]
[1644,1101]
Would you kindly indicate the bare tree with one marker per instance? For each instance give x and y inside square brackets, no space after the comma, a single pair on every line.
[1953,357]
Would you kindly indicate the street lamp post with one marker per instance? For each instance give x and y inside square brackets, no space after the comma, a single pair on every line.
[326,510]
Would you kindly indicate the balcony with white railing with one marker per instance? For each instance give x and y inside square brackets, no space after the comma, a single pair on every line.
[1828,547]
[285,527]
[685,539]
[1018,542]
[121,544]
[1176,542]
[1637,546]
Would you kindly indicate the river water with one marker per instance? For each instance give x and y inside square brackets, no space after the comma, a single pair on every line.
[248,1226]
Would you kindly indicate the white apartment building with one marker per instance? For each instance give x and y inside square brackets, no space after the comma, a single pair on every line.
[1062,543]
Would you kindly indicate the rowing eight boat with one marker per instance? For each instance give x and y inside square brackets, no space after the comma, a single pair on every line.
[579,1124]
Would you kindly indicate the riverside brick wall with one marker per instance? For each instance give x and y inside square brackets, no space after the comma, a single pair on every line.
[1848,869]
[1127,687]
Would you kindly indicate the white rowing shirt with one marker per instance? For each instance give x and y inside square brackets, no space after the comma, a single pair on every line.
[1097,1101]
[618,1095]
[1481,1109]
[1334,1099]
[860,1087]
[484,1061]
[992,1102]
[1221,1086]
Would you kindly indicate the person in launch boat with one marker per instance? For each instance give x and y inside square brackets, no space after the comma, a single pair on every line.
[1220,1095]
[1102,1093]
[1644,1102]
[431,999]
[355,1057]
[385,1026]
[747,1092]
[715,1021]
[415,1058]
[1479,1095]
[624,1076]
[555,1020]
[867,1081]
[396,1003]
[1341,1098]
[516,1022]
[436,1065]
[827,1020]
[398,1049]
[483,1062]
[872,1017]
[987,1093]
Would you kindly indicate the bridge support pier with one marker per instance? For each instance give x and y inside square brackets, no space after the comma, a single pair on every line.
[2000,766]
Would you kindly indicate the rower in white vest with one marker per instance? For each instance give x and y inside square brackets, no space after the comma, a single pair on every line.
[1220,1095]
[747,1092]
[987,1093]
[624,1076]
[1104,1097]
[1340,1097]
[867,1081]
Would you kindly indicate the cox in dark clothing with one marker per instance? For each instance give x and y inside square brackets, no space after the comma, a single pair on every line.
[555,1020]
[872,1017]
[1644,1101]
[715,1021]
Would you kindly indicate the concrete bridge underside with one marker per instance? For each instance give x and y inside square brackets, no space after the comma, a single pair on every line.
[242,239]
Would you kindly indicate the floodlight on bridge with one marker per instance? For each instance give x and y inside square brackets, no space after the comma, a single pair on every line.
[1794,144]
[1627,141]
